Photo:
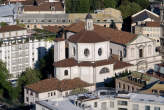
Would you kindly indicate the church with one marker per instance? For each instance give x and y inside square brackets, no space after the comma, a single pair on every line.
[94,53]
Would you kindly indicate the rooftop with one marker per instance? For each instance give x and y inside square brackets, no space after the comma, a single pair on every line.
[72,62]
[69,103]
[10,28]
[139,79]
[144,14]
[152,24]
[113,35]
[57,6]
[55,84]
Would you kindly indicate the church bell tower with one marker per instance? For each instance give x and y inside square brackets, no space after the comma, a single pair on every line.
[89,22]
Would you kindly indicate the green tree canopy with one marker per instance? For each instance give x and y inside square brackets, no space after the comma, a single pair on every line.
[3,24]
[128,9]
[143,3]
[30,76]
[110,3]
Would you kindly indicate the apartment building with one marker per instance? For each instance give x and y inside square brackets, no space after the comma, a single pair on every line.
[20,50]
[104,100]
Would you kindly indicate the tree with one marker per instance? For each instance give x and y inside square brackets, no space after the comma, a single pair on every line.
[30,76]
[128,8]
[110,3]
[143,3]
[84,6]
[46,64]
[3,24]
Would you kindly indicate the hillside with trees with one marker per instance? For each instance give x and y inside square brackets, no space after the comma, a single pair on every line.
[127,7]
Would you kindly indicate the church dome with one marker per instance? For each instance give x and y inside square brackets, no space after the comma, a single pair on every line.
[87,37]
[89,16]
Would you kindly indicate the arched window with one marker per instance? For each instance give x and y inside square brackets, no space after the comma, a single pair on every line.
[104,70]
[100,51]
[74,50]
[150,50]
[86,52]
[66,73]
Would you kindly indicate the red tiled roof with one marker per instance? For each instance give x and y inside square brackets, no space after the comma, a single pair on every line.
[87,37]
[45,7]
[117,36]
[9,28]
[55,84]
[54,29]
[72,62]
[153,24]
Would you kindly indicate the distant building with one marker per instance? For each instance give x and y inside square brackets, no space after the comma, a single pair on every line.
[38,19]
[150,29]
[143,16]
[20,50]
[134,82]
[54,88]
[104,100]
[9,13]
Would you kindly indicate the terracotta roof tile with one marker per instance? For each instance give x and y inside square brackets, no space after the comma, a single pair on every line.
[72,62]
[120,65]
[117,36]
[153,24]
[55,84]
[45,7]
[11,28]
[54,29]
[87,37]
[66,63]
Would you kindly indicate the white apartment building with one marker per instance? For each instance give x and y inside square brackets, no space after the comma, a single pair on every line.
[104,100]
[19,50]
[54,88]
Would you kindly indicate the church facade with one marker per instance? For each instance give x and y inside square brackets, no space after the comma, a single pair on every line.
[89,57]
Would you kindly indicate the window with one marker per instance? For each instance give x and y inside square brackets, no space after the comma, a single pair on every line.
[95,104]
[49,20]
[157,108]
[27,99]
[54,93]
[140,53]
[111,104]
[48,94]
[147,107]
[120,53]
[51,93]
[135,107]
[104,70]
[86,52]
[66,73]
[122,109]
[99,51]
[31,94]
[122,102]
[26,91]
[74,51]
[110,51]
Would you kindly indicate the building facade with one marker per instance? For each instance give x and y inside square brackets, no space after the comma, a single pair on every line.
[19,50]
[54,88]
[87,57]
